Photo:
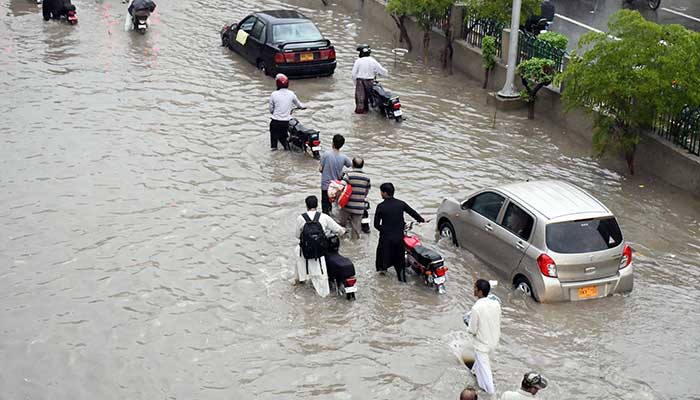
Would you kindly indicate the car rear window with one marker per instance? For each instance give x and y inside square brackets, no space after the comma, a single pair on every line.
[583,236]
[300,32]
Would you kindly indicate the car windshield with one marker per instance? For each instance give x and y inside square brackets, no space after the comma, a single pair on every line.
[300,32]
[583,236]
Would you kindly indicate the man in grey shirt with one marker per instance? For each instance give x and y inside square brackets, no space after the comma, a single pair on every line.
[282,102]
[331,168]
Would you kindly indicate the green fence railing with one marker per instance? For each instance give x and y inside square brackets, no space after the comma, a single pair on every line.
[530,47]
[682,130]
[475,29]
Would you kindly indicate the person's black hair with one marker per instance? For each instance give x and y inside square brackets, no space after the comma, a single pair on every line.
[484,286]
[338,141]
[311,202]
[387,188]
[358,163]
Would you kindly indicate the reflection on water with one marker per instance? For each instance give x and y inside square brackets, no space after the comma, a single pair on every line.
[146,227]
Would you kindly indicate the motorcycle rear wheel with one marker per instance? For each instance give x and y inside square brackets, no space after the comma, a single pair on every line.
[350,296]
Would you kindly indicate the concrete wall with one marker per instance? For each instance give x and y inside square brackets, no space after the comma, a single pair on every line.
[655,156]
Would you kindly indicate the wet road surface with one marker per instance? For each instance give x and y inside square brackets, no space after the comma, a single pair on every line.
[146,240]
[575,18]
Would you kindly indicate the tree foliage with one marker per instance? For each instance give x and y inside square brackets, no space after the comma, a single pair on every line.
[631,74]
[535,74]
[500,10]
[426,13]
[399,11]
[556,39]
[488,52]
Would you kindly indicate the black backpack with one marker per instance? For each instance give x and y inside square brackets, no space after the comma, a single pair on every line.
[314,243]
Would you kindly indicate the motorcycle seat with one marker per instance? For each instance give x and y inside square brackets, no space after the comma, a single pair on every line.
[301,128]
[427,256]
[380,91]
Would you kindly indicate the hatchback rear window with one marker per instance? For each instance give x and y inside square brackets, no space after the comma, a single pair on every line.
[301,32]
[583,236]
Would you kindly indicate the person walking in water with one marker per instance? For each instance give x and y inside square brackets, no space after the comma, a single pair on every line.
[531,384]
[282,102]
[365,69]
[356,206]
[484,324]
[388,220]
[331,169]
[312,227]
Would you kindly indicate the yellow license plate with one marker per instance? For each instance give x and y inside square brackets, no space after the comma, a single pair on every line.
[306,57]
[587,292]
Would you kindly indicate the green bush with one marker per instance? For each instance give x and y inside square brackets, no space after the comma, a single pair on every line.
[555,39]
[488,51]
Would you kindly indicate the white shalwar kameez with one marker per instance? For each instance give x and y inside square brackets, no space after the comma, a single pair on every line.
[317,268]
[484,323]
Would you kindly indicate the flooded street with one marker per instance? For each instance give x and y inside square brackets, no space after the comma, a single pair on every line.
[146,230]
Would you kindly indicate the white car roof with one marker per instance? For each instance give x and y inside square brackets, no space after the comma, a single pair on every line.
[555,199]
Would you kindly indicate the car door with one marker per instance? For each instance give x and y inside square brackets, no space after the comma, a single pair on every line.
[511,237]
[477,219]
[241,35]
[256,41]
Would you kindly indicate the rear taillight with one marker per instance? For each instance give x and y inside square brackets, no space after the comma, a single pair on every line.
[547,265]
[397,105]
[350,281]
[290,57]
[279,58]
[328,54]
[441,271]
[316,142]
[626,259]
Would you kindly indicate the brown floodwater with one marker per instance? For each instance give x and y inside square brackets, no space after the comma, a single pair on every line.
[146,228]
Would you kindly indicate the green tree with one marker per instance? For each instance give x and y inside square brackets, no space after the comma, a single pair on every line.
[428,13]
[400,10]
[488,52]
[631,74]
[535,74]
[557,40]
[498,11]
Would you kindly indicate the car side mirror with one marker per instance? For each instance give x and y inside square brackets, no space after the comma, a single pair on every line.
[467,205]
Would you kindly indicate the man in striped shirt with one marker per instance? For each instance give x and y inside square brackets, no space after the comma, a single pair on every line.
[356,205]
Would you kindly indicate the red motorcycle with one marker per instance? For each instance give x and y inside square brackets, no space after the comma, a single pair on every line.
[424,261]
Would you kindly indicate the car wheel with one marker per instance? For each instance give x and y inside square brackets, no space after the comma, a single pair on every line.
[524,286]
[224,40]
[447,231]
[262,67]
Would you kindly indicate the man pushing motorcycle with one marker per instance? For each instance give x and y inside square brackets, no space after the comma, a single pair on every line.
[365,69]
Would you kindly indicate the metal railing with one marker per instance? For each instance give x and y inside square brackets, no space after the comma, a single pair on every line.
[481,28]
[530,47]
[683,130]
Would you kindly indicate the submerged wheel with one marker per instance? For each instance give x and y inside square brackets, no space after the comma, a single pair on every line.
[441,289]
[350,296]
[224,40]
[654,4]
[316,154]
[447,231]
[524,286]
[262,67]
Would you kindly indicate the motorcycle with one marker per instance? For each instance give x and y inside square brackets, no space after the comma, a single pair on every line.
[386,103]
[140,20]
[425,262]
[341,271]
[365,219]
[306,139]
[140,11]
[537,24]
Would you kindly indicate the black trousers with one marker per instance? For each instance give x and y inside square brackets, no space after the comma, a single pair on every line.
[390,252]
[326,205]
[278,132]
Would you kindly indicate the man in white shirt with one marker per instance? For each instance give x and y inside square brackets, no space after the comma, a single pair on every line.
[365,69]
[316,267]
[484,324]
[282,102]
[532,383]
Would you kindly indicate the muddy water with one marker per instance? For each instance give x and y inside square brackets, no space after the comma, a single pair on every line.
[145,243]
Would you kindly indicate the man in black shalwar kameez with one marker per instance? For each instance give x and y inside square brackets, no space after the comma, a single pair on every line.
[388,220]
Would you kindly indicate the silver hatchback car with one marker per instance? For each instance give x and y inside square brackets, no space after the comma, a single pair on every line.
[551,239]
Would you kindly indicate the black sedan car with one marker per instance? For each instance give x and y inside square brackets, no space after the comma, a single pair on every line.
[281,41]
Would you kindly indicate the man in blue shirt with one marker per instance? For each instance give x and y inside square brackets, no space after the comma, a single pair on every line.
[331,169]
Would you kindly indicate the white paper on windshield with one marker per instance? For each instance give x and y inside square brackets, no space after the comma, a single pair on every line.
[242,37]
